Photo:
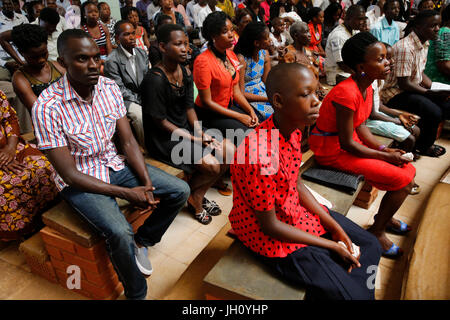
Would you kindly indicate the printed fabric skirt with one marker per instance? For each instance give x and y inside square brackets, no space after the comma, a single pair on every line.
[24,195]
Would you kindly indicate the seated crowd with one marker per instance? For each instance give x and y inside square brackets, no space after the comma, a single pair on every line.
[197,86]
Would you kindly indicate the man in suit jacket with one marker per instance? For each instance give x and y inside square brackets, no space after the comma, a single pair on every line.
[127,66]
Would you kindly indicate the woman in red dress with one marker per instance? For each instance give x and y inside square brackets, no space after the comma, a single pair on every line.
[315,22]
[342,141]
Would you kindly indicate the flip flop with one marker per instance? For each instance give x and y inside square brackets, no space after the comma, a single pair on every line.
[223,188]
[434,151]
[404,229]
[393,252]
[415,190]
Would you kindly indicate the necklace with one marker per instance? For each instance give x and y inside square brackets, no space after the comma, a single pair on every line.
[174,77]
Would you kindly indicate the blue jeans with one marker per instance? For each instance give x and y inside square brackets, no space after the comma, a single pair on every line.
[103,213]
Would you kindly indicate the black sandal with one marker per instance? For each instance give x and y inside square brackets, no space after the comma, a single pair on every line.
[203,217]
[434,151]
[211,207]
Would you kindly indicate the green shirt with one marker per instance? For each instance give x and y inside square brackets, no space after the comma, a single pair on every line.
[439,51]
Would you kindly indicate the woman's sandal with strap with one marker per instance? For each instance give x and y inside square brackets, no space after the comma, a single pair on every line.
[203,217]
[211,207]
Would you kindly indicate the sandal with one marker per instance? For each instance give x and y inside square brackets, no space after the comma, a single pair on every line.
[203,217]
[434,151]
[404,229]
[211,207]
[223,188]
[415,189]
[393,252]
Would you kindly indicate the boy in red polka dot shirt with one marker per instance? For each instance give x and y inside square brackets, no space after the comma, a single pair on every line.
[276,216]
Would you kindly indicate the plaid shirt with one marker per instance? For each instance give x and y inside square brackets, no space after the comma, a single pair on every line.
[62,118]
[410,57]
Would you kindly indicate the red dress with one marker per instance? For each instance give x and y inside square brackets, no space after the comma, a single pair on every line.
[315,38]
[324,140]
[264,176]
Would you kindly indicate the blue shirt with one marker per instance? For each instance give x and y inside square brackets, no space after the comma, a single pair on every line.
[385,32]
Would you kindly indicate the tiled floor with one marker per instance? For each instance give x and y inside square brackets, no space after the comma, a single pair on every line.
[186,238]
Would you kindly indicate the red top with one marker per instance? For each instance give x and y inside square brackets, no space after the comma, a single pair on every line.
[315,38]
[264,176]
[348,95]
[210,73]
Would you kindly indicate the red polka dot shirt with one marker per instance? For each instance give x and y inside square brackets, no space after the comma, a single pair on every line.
[264,176]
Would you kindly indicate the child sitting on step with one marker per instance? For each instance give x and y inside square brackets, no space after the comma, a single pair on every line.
[276,216]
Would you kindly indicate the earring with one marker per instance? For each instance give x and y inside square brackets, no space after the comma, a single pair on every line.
[363,74]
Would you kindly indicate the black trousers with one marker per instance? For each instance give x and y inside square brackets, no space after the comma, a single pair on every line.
[322,271]
[431,111]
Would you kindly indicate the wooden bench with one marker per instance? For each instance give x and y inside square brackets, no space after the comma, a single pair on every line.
[239,274]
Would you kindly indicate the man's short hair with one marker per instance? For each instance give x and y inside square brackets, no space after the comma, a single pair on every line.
[67,35]
[353,10]
[118,25]
[49,15]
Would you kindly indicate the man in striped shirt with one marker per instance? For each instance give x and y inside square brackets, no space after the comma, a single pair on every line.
[75,120]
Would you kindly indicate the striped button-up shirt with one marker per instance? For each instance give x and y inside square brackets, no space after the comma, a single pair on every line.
[62,118]
[410,57]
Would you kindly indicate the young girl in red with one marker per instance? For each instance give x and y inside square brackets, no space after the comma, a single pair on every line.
[341,139]
[276,216]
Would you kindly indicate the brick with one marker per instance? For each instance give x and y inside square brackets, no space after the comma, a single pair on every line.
[67,222]
[366,196]
[98,292]
[45,270]
[363,204]
[93,253]
[34,247]
[91,266]
[367,187]
[62,279]
[117,291]
[55,239]
[54,252]
[101,279]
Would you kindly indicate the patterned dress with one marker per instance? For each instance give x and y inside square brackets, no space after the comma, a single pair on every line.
[255,85]
[22,195]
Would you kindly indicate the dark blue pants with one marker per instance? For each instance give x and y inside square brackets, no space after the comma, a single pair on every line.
[431,111]
[103,213]
[322,271]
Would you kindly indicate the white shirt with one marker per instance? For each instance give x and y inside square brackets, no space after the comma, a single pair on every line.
[190,11]
[72,17]
[195,10]
[335,42]
[277,43]
[52,39]
[151,10]
[65,3]
[131,58]
[5,25]
[203,13]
